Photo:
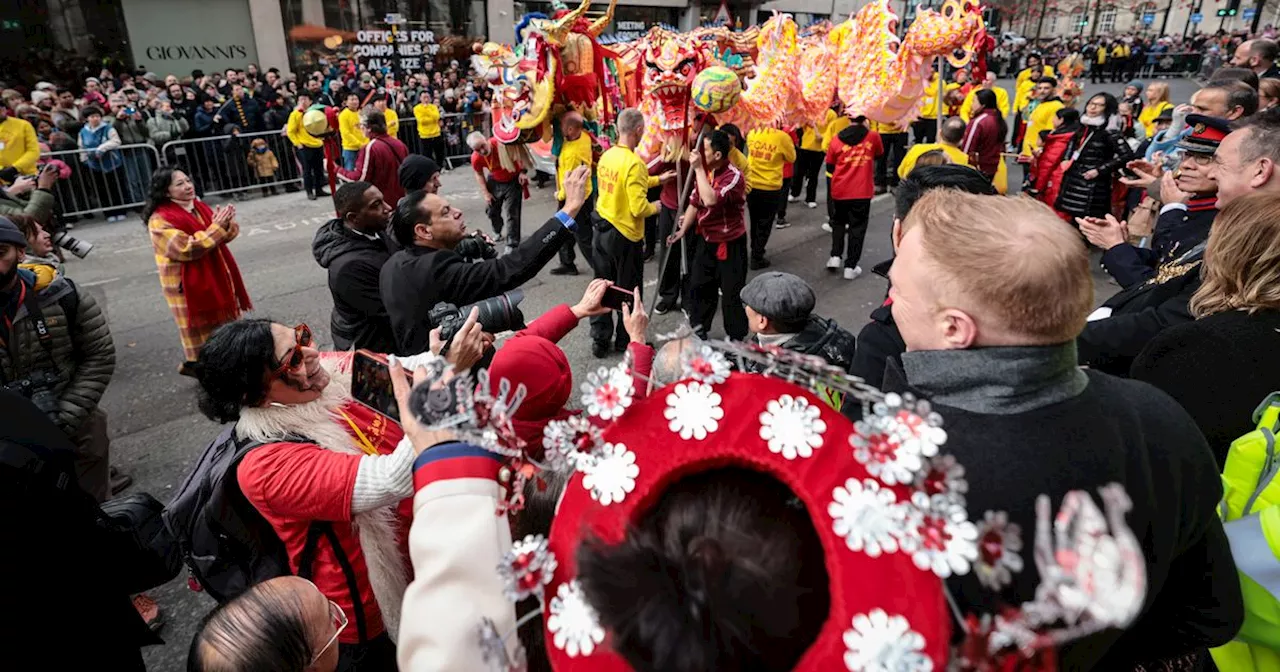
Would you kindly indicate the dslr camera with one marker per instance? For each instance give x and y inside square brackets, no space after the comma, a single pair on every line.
[73,245]
[475,248]
[497,313]
[38,388]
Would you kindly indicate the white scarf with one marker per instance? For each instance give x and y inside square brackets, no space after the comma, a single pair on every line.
[377,529]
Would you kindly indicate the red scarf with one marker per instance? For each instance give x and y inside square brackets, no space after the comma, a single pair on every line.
[212,285]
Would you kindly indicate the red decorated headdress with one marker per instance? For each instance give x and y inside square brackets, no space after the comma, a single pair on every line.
[887,506]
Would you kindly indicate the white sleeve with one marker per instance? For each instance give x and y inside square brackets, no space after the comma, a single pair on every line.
[383,480]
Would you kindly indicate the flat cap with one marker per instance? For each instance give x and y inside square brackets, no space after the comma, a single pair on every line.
[779,296]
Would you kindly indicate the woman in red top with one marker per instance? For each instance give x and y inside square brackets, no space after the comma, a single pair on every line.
[851,163]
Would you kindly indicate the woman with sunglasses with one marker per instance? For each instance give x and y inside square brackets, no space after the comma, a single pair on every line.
[330,475]
[198,274]
[284,624]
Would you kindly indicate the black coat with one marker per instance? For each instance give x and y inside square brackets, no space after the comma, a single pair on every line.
[1115,431]
[354,263]
[878,343]
[1099,150]
[826,339]
[415,279]
[61,571]
[1176,232]
[1219,368]
[1139,313]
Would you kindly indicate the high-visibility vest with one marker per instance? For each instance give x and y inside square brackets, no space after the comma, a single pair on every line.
[1250,511]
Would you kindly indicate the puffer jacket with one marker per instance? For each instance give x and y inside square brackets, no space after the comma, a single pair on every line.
[37,203]
[826,339]
[1101,150]
[79,354]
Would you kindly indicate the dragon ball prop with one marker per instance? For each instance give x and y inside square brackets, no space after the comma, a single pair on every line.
[316,122]
[715,89]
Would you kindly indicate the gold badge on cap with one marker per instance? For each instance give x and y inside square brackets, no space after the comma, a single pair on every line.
[1198,129]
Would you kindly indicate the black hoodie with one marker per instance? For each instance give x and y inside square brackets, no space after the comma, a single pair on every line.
[354,262]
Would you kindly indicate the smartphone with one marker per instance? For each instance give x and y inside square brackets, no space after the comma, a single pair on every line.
[371,383]
[614,297]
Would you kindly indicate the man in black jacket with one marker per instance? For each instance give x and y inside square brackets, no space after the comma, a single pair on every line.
[997,361]
[1157,283]
[780,312]
[353,249]
[427,270]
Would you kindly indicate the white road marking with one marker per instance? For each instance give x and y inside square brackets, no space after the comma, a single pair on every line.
[95,283]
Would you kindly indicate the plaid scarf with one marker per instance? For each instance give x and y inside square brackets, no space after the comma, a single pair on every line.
[212,284]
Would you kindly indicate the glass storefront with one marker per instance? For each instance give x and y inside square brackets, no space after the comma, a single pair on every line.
[61,40]
[454,24]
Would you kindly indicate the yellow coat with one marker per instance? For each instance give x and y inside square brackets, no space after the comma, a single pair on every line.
[908,164]
[349,125]
[18,145]
[929,102]
[1025,76]
[393,121]
[1041,120]
[428,118]
[299,135]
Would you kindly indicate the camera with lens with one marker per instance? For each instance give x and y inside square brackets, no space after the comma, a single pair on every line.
[475,248]
[73,245]
[497,313]
[38,388]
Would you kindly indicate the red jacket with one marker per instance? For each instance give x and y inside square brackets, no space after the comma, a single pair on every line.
[1048,168]
[982,142]
[378,163]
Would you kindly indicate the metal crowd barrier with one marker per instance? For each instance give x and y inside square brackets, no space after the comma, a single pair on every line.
[1177,64]
[220,165]
[117,184]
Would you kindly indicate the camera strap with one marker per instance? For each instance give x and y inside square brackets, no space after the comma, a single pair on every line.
[31,299]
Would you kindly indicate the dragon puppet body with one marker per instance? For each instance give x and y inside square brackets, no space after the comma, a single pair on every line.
[785,77]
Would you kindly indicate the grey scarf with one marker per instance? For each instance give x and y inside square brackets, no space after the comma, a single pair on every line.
[997,381]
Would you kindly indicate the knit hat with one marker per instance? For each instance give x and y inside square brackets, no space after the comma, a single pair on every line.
[415,171]
[10,233]
[779,296]
[1136,84]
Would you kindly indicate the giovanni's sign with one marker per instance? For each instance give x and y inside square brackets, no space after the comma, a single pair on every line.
[178,36]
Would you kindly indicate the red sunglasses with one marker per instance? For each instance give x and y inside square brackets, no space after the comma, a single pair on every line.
[293,358]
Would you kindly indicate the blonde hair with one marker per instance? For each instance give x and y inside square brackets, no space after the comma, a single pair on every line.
[1012,259]
[1162,88]
[1241,268]
[1269,87]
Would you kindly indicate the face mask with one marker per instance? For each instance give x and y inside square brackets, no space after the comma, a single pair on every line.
[260,150]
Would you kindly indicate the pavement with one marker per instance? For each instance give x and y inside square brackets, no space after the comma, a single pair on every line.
[157,432]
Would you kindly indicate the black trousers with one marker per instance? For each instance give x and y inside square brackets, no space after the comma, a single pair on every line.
[1118,66]
[620,260]
[375,655]
[312,161]
[651,238]
[808,166]
[925,130]
[712,278]
[1097,73]
[895,147]
[507,197]
[672,286]
[584,234]
[434,150]
[849,229]
[762,207]
[782,206]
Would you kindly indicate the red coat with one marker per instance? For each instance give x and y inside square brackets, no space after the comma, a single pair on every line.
[378,163]
[982,142]
[1048,168]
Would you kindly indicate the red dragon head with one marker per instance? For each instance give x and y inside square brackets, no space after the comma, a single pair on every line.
[670,64]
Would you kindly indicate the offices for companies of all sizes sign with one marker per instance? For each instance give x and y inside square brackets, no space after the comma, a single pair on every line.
[174,37]
[396,50]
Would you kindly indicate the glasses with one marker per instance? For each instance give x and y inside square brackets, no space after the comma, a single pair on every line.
[293,358]
[339,619]
[1199,159]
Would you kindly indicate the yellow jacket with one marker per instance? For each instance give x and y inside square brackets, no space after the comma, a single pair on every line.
[573,153]
[1022,96]
[428,116]
[908,164]
[929,102]
[623,199]
[769,149]
[833,129]
[1041,120]
[299,135]
[885,128]
[1148,116]
[1102,55]
[1002,102]
[1025,75]
[18,145]
[809,139]
[349,126]
[393,122]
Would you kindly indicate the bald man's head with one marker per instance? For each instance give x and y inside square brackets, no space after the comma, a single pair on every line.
[571,125]
[952,131]
[283,623]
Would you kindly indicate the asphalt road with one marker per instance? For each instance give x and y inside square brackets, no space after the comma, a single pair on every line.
[157,432]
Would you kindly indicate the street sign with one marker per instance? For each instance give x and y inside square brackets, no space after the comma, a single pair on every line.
[1197,17]
[1148,18]
[1248,13]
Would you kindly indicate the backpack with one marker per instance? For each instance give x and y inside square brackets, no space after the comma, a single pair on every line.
[1250,511]
[225,542]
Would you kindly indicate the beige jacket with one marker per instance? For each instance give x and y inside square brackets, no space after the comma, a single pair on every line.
[456,542]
